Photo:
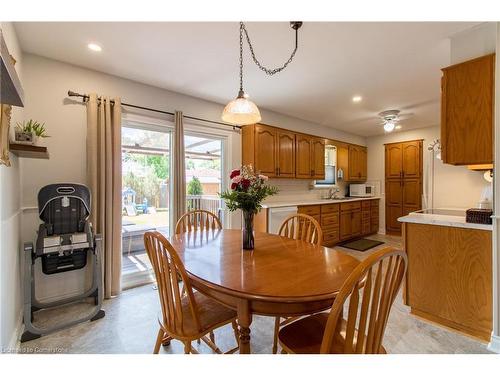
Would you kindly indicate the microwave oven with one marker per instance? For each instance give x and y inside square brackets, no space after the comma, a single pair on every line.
[361,190]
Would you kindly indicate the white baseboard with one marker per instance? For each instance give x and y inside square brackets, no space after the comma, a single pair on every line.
[14,342]
[494,345]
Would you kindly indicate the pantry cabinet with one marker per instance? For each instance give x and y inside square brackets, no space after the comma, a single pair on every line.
[467,102]
[403,181]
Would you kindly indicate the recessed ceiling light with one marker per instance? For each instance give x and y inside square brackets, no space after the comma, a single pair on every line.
[398,127]
[357,98]
[94,47]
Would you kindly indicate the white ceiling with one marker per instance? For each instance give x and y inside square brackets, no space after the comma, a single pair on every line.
[391,65]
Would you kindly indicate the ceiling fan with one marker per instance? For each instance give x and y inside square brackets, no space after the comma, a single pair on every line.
[391,118]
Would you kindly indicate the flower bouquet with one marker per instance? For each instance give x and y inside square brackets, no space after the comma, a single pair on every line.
[247,192]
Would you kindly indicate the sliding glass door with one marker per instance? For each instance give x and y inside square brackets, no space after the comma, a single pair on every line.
[145,195]
[146,187]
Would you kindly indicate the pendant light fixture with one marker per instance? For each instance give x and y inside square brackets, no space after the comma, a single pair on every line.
[242,111]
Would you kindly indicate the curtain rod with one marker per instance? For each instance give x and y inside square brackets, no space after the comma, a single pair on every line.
[86,97]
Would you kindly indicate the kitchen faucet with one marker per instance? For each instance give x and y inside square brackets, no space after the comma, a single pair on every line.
[332,193]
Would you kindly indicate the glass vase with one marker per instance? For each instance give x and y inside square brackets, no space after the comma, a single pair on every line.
[247,230]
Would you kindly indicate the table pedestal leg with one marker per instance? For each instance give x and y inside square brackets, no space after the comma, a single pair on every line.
[244,321]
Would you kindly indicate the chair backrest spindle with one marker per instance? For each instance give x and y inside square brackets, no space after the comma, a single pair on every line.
[370,291]
[302,227]
[168,268]
[197,220]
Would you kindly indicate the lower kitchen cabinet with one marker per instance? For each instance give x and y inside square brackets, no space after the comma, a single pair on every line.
[339,221]
[449,276]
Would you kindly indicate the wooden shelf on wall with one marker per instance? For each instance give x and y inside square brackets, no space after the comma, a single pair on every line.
[29,151]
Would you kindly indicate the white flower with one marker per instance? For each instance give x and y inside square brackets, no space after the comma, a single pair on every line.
[237,179]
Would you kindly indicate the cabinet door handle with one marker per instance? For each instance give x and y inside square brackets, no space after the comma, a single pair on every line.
[277,171]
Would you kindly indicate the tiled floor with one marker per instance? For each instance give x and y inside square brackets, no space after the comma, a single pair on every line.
[130,326]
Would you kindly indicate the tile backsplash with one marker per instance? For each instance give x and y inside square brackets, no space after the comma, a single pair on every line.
[295,189]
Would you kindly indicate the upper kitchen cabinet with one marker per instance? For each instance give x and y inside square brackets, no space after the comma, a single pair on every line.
[271,151]
[303,167]
[352,161]
[357,163]
[467,99]
[285,149]
[318,158]
[310,157]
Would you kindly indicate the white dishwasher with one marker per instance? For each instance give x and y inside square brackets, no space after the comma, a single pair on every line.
[277,216]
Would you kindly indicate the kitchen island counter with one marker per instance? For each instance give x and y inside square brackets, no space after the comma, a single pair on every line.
[449,274]
[444,217]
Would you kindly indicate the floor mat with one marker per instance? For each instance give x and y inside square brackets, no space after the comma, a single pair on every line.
[362,245]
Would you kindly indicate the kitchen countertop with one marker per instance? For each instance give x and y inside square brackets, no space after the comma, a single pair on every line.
[313,202]
[442,217]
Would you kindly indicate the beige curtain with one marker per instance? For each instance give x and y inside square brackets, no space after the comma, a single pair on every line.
[104,177]
[179,173]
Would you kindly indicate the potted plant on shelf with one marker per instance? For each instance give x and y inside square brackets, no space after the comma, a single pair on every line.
[248,190]
[30,132]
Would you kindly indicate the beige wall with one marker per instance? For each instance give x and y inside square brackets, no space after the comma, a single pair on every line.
[10,214]
[454,186]
[46,84]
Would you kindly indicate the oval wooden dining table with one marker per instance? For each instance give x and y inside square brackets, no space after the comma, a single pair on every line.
[280,277]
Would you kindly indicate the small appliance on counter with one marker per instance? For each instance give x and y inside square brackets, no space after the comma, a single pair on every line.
[361,190]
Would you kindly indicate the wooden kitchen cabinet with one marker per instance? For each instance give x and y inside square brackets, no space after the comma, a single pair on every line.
[344,221]
[352,160]
[265,150]
[285,150]
[403,182]
[467,114]
[318,158]
[270,150]
[449,276]
[281,153]
[303,167]
[350,220]
[310,157]
[357,170]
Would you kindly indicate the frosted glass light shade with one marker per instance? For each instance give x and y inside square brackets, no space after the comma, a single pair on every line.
[389,126]
[241,111]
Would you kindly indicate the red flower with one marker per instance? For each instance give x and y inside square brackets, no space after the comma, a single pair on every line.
[245,183]
[234,185]
[234,173]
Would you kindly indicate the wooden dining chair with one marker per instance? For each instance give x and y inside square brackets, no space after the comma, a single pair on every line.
[297,227]
[371,289]
[185,317]
[197,220]
[302,227]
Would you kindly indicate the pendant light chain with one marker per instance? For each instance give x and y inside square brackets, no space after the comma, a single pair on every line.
[241,58]
[261,67]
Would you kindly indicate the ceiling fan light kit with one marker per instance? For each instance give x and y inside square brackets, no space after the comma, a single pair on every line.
[242,111]
[389,118]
